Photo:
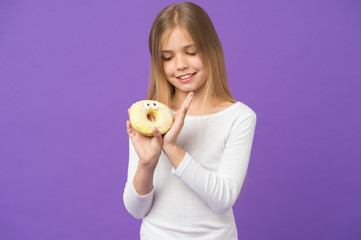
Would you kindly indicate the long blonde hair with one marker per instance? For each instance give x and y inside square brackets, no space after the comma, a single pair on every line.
[196,21]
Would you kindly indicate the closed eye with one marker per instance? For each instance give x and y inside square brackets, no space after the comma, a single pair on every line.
[192,53]
[167,58]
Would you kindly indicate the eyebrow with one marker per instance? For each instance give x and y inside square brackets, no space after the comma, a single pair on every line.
[185,47]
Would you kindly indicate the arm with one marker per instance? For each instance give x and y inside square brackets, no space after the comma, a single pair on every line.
[137,205]
[219,190]
[143,158]
[144,153]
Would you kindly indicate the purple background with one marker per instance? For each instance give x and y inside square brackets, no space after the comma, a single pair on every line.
[70,69]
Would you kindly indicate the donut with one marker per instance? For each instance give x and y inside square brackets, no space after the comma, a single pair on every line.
[147,114]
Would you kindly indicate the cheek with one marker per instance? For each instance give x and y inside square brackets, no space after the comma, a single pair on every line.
[167,68]
[197,64]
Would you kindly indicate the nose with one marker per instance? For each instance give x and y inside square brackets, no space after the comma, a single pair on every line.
[182,63]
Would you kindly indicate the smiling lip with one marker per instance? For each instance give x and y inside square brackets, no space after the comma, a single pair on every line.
[188,78]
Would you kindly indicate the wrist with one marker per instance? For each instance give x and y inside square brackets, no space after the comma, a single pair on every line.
[174,153]
[147,164]
[169,147]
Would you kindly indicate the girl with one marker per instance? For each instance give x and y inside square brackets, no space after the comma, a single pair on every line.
[183,184]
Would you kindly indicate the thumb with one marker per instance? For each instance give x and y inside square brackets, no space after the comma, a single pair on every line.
[157,135]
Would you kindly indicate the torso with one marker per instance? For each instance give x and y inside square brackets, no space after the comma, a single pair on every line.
[177,211]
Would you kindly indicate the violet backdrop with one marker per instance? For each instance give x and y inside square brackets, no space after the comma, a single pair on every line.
[70,69]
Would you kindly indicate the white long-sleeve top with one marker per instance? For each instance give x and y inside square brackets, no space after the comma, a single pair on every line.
[195,200]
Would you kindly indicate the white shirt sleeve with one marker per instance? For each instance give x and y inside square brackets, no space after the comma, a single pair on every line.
[219,190]
[138,206]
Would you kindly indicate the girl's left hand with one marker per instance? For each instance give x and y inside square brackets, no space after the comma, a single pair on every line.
[170,138]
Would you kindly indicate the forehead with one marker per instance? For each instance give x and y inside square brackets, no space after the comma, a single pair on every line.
[175,38]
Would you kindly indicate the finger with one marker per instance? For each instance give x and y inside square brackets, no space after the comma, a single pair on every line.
[157,135]
[129,129]
[182,112]
[187,103]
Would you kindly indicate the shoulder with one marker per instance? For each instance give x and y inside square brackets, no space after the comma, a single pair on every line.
[243,118]
[242,111]
[243,123]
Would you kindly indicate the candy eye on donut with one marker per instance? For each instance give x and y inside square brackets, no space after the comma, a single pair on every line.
[154,105]
[147,105]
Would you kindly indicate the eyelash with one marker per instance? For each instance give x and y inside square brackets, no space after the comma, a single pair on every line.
[192,53]
[167,59]
[188,53]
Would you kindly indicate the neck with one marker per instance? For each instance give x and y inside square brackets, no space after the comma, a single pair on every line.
[178,98]
[198,105]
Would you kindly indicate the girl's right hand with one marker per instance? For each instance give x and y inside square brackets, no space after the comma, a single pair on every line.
[147,148]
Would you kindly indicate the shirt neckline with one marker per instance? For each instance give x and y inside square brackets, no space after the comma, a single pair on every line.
[212,115]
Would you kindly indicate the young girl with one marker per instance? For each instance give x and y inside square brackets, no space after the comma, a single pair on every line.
[183,184]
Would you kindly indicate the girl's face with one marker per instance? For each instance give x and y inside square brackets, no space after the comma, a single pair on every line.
[182,64]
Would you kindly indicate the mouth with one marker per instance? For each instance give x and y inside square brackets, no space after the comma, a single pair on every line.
[186,77]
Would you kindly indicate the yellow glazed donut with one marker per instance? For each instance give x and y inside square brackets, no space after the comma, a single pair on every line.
[147,114]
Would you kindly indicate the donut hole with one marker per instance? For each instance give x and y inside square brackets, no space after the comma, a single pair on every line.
[151,117]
